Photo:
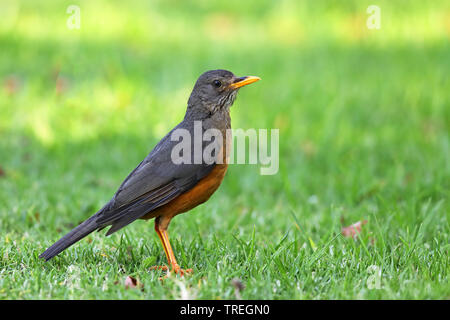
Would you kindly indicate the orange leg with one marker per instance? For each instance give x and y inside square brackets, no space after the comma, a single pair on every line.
[164,237]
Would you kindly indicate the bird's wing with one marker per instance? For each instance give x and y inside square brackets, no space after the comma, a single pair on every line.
[155,182]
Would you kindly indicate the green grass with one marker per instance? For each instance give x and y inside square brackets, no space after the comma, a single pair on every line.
[364,135]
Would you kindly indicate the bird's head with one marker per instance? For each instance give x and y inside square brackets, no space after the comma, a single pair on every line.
[215,91]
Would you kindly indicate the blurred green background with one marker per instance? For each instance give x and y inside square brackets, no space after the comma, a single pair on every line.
[364,134]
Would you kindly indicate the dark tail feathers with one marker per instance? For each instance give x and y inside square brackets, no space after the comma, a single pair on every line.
[69,239]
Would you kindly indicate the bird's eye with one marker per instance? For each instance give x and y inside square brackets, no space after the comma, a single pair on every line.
[217,83]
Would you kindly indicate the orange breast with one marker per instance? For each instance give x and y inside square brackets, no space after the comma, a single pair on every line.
[192,198]
[199,193]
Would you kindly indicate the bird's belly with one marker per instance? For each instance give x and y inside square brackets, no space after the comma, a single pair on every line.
[194,197]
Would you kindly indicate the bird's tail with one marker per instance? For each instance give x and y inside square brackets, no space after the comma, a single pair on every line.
[69,239]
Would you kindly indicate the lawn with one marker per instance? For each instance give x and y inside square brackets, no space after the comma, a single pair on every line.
[363,116]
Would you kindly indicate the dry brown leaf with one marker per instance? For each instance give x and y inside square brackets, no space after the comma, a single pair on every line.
[61,84]
[237,284]
[131,282]
[238,287]
[353,230]
[11,84]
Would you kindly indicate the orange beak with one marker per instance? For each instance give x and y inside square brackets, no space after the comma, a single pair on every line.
[243,81]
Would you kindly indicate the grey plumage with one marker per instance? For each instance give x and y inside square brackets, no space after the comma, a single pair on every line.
[157,180]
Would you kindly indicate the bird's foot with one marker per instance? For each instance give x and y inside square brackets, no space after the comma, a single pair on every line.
[163,268]
[175,268]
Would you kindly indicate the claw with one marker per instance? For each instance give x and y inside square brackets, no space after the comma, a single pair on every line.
[163,268]
[175,268]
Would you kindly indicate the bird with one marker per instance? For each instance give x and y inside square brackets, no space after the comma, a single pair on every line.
[160,188]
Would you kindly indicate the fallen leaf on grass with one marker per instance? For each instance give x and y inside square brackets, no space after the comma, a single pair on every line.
[12,84]
[2,172]
[131,282]
[238,287]
[353,230]
[61,84]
